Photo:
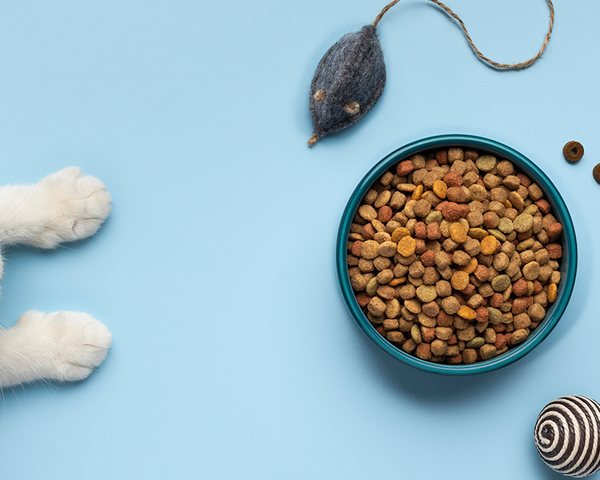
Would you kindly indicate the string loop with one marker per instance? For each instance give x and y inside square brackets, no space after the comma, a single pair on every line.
[482,57]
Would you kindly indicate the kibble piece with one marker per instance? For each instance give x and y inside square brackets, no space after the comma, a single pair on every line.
[367,212]
[531,271]
[501,283]
[469,355]
[460,280]
[406,246]
[487,351]
[369,249]
[573,151]
[458,233]
[466,312]
[450,305]
[486,163]
[489,245]
[426,293]
[518,336]
[523,223]
[439,347]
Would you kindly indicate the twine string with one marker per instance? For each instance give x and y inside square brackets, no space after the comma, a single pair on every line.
[482,57]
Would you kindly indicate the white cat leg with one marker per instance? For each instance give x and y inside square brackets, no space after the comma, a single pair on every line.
[62,207]
[63,346]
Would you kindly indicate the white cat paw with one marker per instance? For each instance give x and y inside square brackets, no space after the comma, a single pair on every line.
[78,342]
[78,206]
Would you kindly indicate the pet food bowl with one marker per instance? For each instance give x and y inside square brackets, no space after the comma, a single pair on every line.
[568,265]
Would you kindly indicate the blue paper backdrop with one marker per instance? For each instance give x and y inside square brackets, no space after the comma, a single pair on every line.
[234,356]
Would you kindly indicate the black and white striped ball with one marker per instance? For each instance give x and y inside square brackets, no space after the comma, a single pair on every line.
[567,435]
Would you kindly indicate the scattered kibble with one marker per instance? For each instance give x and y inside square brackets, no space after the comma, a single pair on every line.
[596,173]
[454,257]
[573,151]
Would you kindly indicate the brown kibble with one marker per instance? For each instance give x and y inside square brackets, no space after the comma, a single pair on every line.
[482,273]
[433,231]
[573,151]
[404,168]
[487,351]
[554,230]
[489,245]
[376,306]
[469,355]
[384,214]
[554,250]
[596,173]
[453,179]
[369,249]
[439,347]
[424,351]
[356,247]
[518,336]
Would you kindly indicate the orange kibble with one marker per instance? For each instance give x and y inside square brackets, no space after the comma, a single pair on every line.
[397,281]
[466,312]
[440,188]
[471,266]
[551,295]
[458,233]
[400,233]
[489,245]
[416,195]
[406,246]
[460,281]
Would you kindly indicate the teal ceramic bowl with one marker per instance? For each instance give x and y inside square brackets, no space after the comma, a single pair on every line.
[559,210]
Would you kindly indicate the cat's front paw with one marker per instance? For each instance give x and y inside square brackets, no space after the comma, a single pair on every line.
[78,206]
[78,343]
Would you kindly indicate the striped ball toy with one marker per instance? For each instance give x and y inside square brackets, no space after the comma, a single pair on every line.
[567,435]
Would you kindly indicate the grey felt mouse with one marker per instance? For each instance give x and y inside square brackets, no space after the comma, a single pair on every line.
[351,75]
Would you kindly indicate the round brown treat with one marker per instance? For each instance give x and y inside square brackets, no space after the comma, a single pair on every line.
[426,293]
[573,151]
[386,292]
[596,173]
[460,258]
[431,276]
[356,248]
[369,249]
[442,157]
[520,287]
[367,212]
[460,280]
[518,306]
[387,249]
[444,319]
[363,299]
[407,292]
[431,309]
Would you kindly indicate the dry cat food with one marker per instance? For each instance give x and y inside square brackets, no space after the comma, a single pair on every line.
[454,256]
[573,151]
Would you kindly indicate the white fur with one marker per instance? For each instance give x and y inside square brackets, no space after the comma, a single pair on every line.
[63,346]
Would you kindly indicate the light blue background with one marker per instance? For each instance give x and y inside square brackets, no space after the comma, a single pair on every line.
[234,356]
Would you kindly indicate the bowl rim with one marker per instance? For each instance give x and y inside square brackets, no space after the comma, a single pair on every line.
[559,209]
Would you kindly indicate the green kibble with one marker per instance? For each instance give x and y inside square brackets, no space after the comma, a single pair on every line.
[475,342]
[495,316]
[372,287]
[523,223]
[498,234]
[506,225]
[486,163]
[501,283]
[434,216]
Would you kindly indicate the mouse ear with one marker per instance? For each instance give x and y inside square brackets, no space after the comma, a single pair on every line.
[353,68]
